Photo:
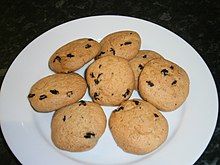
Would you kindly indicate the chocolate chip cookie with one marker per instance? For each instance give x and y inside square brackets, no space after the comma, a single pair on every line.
[125,44]
[57,90]
[164,84]
[74,55]
[138,127]
[78,127]
[110,80]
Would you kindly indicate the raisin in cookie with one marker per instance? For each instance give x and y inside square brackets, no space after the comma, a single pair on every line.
[138,127]
[57,90]
[164,84]
[137,63]
[124,44]
[78,127]
[74,55]
[110,80]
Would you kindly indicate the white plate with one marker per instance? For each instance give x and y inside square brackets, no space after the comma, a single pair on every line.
[28,132]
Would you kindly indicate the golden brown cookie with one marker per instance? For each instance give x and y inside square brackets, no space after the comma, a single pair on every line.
[138,127]
[110,80]
[125,44]
[164,84]
[57,90]
[78,127]
[138,62]
[74,55]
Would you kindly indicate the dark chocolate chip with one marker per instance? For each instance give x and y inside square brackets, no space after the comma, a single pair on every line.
[64,118]
[100,66]
[88,46]
[89,135]
[82,102]
[141,67]
[95,96]
[145,56]
[57,58]
[174,82]
[31,95]
[136,102]
[42,97]
[112,94]
[118,109]
[54,91]
[126,93]
[92,75]
[171,67]
[164,72]
[128,43]
[150,83]
[102,53]
[112,50]
[70,55]
[156,115]
[90,39]
[97,81]
[69,93]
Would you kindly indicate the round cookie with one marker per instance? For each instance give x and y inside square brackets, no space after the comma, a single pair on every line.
[164,84]
[124,44]
[138,62]
[74,55]
[55,91]
[78,127]
[138,127]
[110,80]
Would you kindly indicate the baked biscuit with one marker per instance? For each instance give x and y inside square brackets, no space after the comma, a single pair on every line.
[138,127]
[57,90]
[78,127]
[74,55]
[110,80]
[124,44]
[164,84]
[138,62]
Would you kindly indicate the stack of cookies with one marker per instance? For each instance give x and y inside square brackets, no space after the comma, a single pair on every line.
[118,68]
